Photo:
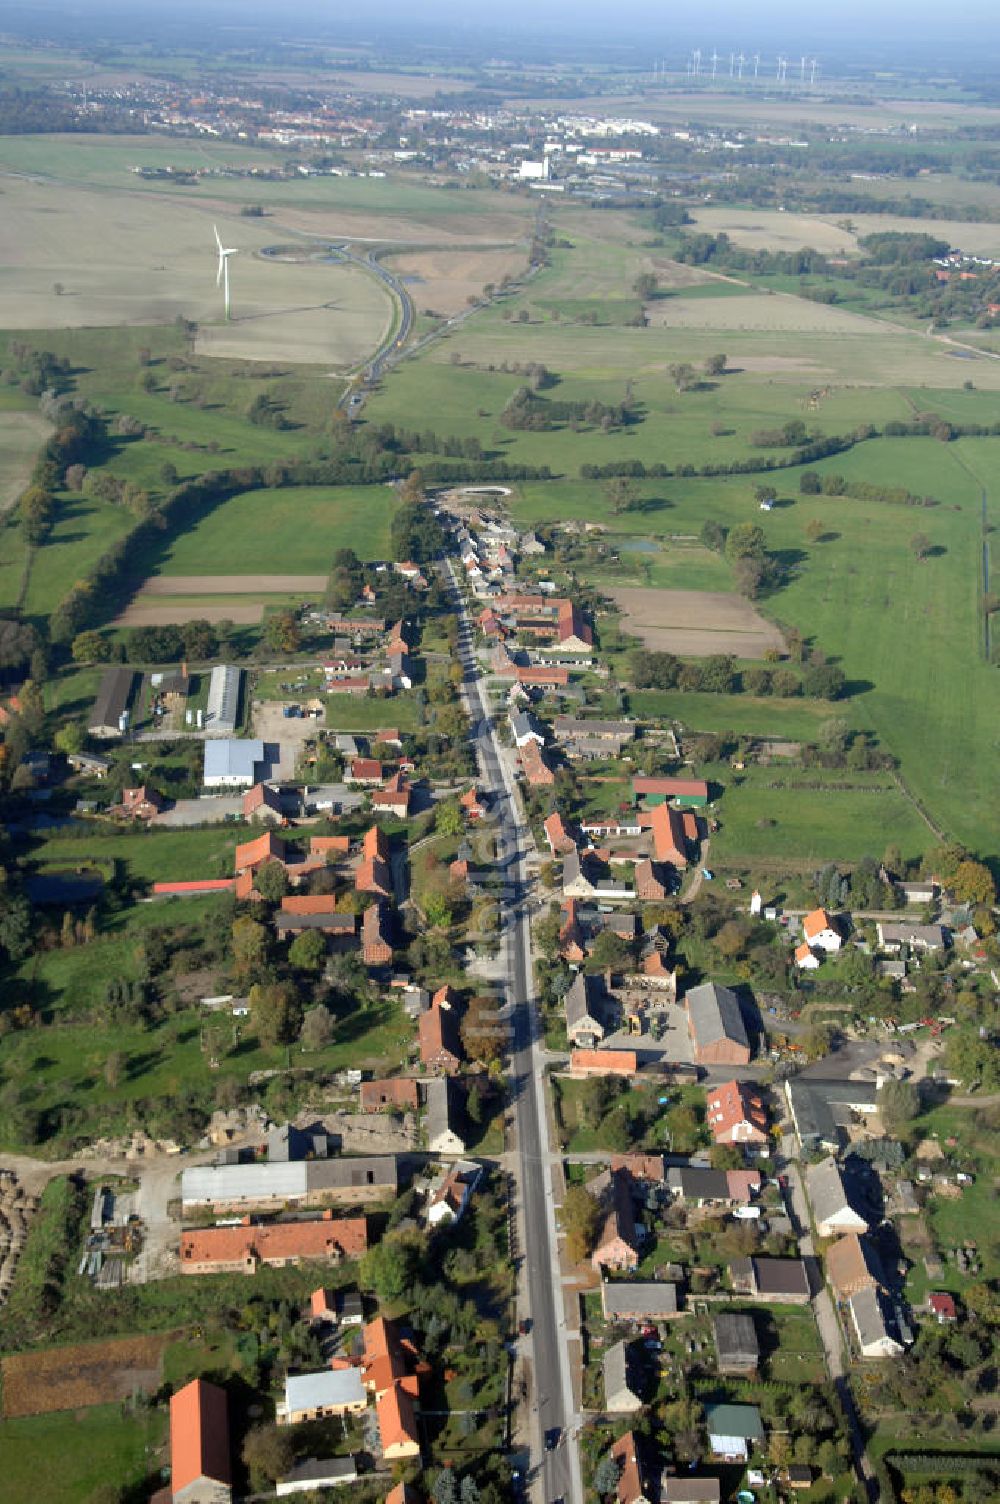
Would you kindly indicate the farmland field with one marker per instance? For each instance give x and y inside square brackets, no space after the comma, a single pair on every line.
[695,623]
[21,436]
[71,1378]
[445,280]
[294,529]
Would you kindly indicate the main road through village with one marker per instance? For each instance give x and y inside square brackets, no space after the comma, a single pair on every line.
[555,1455]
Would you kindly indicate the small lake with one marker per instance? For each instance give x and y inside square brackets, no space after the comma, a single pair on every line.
[636,546]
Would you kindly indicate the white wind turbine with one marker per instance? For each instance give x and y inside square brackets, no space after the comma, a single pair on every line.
[222,274]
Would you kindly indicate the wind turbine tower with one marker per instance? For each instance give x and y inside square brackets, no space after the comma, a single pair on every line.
[782,69]
[714,61]
[222,275]
[802,70]
[813,67]
[741,60]
[756,65]
[696,57]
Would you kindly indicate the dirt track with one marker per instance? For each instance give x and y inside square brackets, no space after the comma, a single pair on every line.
[695,623]
[234,584]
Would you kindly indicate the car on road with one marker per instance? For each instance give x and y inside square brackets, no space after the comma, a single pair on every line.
[524,1325]
[552,1436]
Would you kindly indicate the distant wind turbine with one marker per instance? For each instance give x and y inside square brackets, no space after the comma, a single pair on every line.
[223,273]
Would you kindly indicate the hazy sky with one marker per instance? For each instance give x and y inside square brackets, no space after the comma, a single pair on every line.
[852,29]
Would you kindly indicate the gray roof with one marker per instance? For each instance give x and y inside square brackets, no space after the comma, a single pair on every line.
[319,1471]
[438,1102]
[524,725]
[113,699]
[827,1191]
[694,1184]
[618,1393]
[734,1420]
[329,1388]
[223,706]
[872,1322]
[822,1109]
[736,1338]
[572,726]
[685,1490]
[924,936]
[340,924]
[714,1014]
[626,1299]
[771,1276]
[583,1002]
[233,759]
[277,1181]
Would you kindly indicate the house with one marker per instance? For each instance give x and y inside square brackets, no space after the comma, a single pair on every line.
[449,1200]
[942,1307]
[329,847]
[919,892]
[557,836]
[700,1187]
[400,1094]
[364,771]
[316,1473]
[617,1245]
[777,1280]
[603,1063]
[798,1475]
[376,949]
[397,1424]
[200,1470]
[633,1486]
[223,705]
[440,1044]
[829,1196]
[335,1307]
[650,886]
[536,767]
[244,1249]
[820,932]
[540,677]
[373,875]
[620,1397]
[401,1494]
[736,1346]
[265,1185]
[525,729]
[262,805]
[926,937]
[89,763]
[440,1116]
[806,959]
[716,1027]
[690,1490]
[232,763]
[670,840]
[586,1006]
[314,1396]
[588,876]
[875,1326]
[471,805]
[736,1114]
[639,1300]
[389,737]
[731,1429]
[592,738]
[823,1110]
[691,792]
[853,1265]
[140,803]
[318,912]
[394,797]
[112,707]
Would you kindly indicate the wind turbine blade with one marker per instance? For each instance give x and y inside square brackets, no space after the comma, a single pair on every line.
[217,238]
[218,275]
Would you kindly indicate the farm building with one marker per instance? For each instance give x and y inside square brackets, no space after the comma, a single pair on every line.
[316,1473]
[244,1249]
[200,1470]
[305,1182]
[853,1265]
[311,1396]
[716,1027]
[223,710]
[109,716]
[617,1244]
[440,1116]
[232,763]
[731,1429]
[830,1197]
[688,1490]
[782,1281]
[893,936]
[692,792]
[736,1345]
[639,1300]
[822,1111]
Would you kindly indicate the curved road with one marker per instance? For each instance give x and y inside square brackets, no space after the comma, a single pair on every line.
[554,1412]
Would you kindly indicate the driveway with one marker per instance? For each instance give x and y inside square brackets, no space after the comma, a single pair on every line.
[200,811]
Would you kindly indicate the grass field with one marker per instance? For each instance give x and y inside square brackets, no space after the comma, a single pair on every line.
[293,530]
[803,817]
[65,1458]
[21,436]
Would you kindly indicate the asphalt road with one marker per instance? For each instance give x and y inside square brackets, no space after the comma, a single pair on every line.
[555,1455]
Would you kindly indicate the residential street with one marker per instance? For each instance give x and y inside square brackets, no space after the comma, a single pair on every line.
[555,1456]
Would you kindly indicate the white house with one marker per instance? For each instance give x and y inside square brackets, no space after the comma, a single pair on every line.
[526,729]
[451,1196]
[805,960]
[830,1200]
[820,933]
[875,1336]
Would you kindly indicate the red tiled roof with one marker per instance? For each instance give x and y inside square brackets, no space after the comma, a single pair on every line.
[264,848]
[276,1240]
[199,1435]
